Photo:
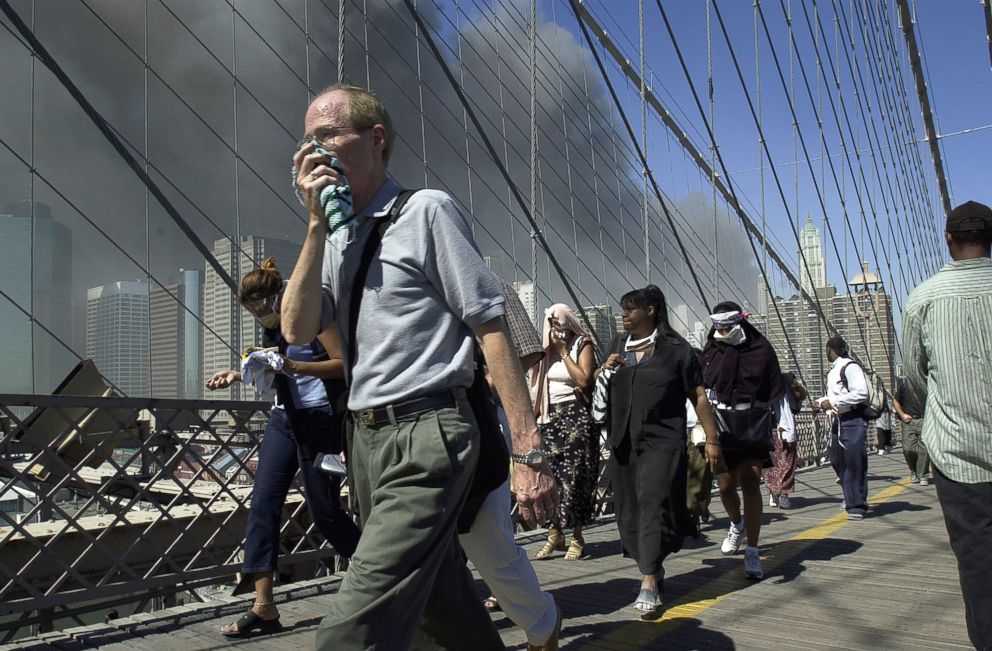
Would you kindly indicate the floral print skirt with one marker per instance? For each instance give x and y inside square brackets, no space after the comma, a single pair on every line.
[572,441]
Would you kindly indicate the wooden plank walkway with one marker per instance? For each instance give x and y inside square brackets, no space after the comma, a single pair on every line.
[889,582]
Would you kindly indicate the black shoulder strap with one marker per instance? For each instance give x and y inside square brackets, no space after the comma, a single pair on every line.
[843,376]
[372,245]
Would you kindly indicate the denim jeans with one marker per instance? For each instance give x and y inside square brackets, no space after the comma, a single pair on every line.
[849,458]
[285,449]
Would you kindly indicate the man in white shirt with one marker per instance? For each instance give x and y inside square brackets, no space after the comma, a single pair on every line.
[847,395]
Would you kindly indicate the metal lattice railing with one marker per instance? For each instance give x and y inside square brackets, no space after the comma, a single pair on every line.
[113,498]
[121,498]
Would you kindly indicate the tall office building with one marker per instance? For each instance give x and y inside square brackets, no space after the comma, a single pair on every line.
[525,290]
[697,336]
[863,318]
[234,329]
[177,337]
[117,334]
[812,251]
[36,272]
[603,322]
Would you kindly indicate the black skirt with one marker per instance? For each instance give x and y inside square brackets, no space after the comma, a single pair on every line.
[649,497]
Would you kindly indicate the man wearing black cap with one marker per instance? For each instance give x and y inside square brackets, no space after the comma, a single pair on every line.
[947,350]
[847,395]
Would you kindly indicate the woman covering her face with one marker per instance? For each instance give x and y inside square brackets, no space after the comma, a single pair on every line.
[742,371]
[561,384]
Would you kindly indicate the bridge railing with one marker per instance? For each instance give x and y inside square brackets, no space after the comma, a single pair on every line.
[108,500]
[113,500]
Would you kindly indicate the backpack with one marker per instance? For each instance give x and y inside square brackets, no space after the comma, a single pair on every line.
[876,392]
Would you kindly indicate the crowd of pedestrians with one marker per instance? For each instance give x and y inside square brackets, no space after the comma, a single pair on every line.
[405,359]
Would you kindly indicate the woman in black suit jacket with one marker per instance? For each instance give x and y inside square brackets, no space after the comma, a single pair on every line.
[655,371]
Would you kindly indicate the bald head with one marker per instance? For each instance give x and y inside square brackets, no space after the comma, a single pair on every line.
[344,104]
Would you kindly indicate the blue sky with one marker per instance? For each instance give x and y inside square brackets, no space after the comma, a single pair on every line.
[956,57]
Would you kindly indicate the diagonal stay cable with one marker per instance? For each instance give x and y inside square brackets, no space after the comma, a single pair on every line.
[647,168]
[499,163]
[46,58]
[730,188]
[802,140]
[113,242]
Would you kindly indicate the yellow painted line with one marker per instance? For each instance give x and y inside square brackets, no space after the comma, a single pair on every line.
[692,604]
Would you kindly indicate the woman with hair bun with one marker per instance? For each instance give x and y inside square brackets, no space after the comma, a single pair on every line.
[301,426]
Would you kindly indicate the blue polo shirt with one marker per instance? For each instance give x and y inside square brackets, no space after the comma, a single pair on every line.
[423,294]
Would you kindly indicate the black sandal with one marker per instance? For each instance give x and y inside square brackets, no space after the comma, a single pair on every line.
[250,622]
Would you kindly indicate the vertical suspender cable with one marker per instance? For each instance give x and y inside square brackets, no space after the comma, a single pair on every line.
[148,254]
[31,272]
[644,145]
[568,150]
[712,144]
[341,34]
[506,145]
[237,392]
[468,150]
[532,58]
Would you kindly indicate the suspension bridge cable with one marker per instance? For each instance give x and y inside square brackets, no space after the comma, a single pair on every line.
[870,131]
[559,150]
[802,142]
[114,141]
[107,236]
[924,98]
[897,121]
[865,109]
[493,155]
[640,153]
[751,236]
[901,85]
[910,209]
[833,170]
[902,109]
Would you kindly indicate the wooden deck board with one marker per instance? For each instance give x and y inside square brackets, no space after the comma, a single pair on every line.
[887,582]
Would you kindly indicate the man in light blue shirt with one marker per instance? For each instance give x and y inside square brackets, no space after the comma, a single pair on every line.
[426,297]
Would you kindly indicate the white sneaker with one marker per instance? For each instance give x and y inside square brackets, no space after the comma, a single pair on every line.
[772,499]
[783,501]
[881,452]
[752,564]
[913,478]
[732,542]
[924,481]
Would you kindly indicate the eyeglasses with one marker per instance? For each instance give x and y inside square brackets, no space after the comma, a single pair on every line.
[326,136]
[261,305]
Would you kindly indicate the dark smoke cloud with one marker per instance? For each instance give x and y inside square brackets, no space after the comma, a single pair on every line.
[589,199]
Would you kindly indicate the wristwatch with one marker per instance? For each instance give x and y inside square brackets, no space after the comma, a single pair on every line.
[533,458]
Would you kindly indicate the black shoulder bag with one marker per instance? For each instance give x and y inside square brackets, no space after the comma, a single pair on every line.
[493,465]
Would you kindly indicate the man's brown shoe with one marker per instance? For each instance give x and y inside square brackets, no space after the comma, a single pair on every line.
[552,643]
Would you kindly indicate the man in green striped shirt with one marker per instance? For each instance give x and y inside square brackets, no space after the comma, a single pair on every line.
[947,344]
